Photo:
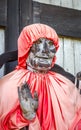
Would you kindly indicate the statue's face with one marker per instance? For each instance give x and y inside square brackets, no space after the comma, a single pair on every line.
[41,55]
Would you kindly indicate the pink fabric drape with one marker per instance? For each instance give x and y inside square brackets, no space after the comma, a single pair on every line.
[59,101]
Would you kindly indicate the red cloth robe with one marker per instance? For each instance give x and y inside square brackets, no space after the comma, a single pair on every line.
[59,101]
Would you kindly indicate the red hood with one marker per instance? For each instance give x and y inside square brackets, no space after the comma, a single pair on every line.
[29,35]
[55,93]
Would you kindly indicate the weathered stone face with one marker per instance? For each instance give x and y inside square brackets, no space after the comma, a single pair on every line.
[41,55]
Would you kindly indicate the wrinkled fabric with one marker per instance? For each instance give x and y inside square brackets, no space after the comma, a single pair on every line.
[29,35]
[59,101]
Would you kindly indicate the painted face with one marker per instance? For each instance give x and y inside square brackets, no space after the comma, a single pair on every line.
[41,55]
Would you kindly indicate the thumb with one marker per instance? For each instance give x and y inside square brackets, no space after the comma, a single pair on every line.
[35,96]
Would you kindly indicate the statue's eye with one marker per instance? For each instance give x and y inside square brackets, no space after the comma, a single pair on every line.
[50,42]
[33,48]
[39,41]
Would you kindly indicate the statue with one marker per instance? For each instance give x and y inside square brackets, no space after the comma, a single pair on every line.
[34,96]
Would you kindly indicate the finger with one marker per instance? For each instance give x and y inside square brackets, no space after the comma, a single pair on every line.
[26,85]
[26,88]
[35,104]
[35,96]
[19,94]
[23,88]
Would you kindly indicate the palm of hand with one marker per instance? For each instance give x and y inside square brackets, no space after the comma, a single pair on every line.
[28,104]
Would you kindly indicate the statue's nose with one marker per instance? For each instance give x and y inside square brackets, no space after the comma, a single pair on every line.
[45,48]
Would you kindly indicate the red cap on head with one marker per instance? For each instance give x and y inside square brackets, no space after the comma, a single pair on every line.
[29,35]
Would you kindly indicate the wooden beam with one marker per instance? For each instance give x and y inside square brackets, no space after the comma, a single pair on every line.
[12,30]
[3,12]
[25,13]
[19,14]
[66,22]
[8,57]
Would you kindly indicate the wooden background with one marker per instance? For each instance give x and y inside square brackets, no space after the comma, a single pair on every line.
[16,14]
[69,53]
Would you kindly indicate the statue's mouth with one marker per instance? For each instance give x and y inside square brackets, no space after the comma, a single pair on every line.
[44,65]
[41,63]
[42,57]
[44,62]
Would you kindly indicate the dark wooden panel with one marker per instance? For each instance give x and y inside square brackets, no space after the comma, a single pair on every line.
[3,12]
[19,14]
[12,30]
[37,12]
[25,13]
[67,22]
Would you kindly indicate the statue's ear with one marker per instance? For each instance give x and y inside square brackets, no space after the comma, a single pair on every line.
[55,50]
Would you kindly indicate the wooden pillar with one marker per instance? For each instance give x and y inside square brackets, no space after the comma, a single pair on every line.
[19,14]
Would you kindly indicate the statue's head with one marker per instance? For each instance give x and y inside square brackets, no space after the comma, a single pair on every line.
[41,55]
[37,46]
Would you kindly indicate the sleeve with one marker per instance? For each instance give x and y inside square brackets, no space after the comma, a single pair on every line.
[15,120]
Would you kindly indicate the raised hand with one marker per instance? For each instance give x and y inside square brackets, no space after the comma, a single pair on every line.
[28,104]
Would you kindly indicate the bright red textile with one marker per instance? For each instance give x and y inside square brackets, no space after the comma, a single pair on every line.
[59,101]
